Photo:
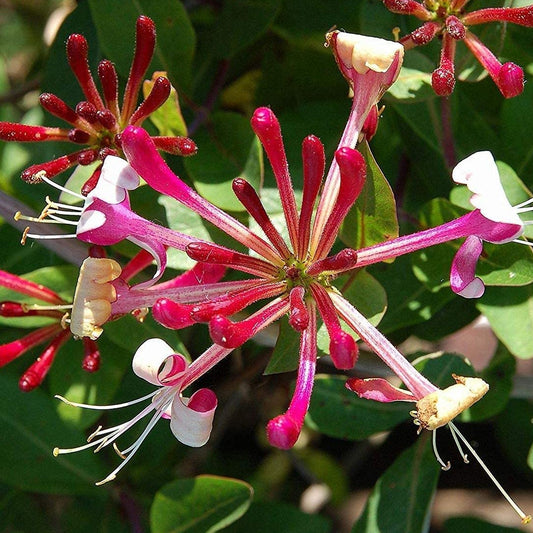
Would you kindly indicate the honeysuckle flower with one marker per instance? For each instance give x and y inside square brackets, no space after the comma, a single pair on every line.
[494,220]
[447,20]
[106,216]
[98,121]
[434,410]
[296,275]
[91,307]
[371,66]
[102,292]
[191,419]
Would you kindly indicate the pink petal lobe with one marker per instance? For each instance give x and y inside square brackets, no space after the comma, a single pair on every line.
[379,390]
[463,278]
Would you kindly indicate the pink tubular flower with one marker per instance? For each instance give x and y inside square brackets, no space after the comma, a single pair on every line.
[98,121]
[191,419]
[298,274]
[494,220]
[106,217]
[436,409]
[447,19]
[90,309]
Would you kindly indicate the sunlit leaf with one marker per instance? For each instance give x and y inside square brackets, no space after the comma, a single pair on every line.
[30,431]
[401,499]
[372,219]
[203,504]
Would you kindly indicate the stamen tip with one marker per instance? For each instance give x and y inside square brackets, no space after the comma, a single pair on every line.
[62,398]
[24,235]
[106,480]
[56,451]
[526,519]
[447,466]
[118,452]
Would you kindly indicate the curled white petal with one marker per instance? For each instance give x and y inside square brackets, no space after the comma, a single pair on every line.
[191,419]
[480,174]
[474,289]
[149,358]
[118,171]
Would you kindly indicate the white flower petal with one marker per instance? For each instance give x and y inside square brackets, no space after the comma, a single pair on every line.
[90,220]
[149,358]
[192,418]
[365,53]
[117,176]
[119,172]
[480,174]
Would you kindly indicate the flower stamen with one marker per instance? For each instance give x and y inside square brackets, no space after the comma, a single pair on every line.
[444,466]
[525,518]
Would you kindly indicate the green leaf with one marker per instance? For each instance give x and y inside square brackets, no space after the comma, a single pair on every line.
[514,432]
[227,151]
[414,81]
[372,219]
[176,40]
[438,367]
[266,517]
[286,352]
[456,314]
[338,412]
[499,375]
[30,431]
[409,301]
[203,504]
[231,35]
[516,123]
[367,295]
[510,313]
[460,524]
[401,499]
[168,118]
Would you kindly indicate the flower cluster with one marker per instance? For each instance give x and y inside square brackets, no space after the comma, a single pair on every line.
[447,20]
[293,275]
[98,121]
